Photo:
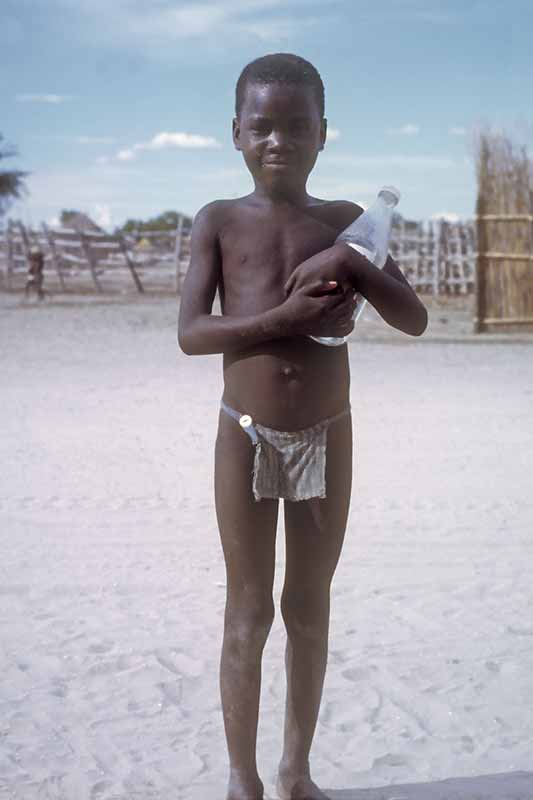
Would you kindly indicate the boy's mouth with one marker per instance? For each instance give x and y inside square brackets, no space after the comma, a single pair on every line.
[280,162]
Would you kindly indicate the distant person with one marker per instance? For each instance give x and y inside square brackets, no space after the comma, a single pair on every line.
[285,428]
[35,278]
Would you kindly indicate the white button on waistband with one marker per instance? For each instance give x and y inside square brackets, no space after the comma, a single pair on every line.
[245,421]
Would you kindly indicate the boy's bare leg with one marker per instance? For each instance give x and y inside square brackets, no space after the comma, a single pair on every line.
[248,536]
[312,552]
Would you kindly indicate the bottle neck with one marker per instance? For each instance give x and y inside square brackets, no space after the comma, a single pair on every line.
[389,195]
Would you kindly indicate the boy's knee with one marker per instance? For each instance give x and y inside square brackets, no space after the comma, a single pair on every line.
[305,613]
[249,620]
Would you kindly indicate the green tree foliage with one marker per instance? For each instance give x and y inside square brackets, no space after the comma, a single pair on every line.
[167,221]
[78,220]
[66,216]
[12,186]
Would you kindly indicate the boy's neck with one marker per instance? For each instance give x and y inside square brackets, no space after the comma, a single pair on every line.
[296,196]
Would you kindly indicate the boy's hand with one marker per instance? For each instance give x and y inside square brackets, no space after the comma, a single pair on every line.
[317,309]
[337,263]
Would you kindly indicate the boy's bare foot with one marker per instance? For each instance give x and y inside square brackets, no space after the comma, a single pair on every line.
[242,788]
[290,786]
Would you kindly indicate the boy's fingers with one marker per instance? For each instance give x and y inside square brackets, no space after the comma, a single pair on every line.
[324,288]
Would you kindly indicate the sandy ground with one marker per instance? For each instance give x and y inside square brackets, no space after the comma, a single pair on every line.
[112,578]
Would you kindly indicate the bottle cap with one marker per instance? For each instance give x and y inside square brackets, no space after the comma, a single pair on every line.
[390,194]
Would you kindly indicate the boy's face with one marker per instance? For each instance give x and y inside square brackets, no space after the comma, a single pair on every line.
[280,133]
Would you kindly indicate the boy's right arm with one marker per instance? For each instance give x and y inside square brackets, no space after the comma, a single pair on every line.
[199,331]
[312,310]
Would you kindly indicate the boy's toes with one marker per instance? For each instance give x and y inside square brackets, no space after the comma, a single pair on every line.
[301,788]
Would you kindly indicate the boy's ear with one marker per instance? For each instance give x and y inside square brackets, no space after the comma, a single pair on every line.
[236,132]
[323,132]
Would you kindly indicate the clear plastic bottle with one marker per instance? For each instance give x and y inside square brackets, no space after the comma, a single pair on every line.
[369,234]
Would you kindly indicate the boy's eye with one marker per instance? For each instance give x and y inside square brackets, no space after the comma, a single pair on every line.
[260,127]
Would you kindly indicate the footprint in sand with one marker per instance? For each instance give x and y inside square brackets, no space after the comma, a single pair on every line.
[101,647]
[102,668]
[172,692]
[358,673]
[127,662]
[520,631]
[60,690]
[180,664]
[390,760]
[99,789]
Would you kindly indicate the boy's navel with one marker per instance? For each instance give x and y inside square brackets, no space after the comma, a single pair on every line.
[288,371]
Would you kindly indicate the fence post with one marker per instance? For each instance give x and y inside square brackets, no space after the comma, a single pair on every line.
[479,276]
[53,252]
[129,262]
[90,258]
[437,249]
[9,243]
[25,242]
[177,252]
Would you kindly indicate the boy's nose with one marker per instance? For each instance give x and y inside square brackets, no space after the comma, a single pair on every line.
[278,140]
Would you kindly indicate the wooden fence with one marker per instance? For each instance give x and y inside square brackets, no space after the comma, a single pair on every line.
[504,297]
[437,257]
[81,261]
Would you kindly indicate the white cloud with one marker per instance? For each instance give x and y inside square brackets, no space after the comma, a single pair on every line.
[151,27]
[125,155]
[405,130]
[166,140]
[95,140]
[333,134]
[449,216]
[102,215]
[457,131]
[115,186]
[53,99]
[274,30]
[400,161]
[161,140]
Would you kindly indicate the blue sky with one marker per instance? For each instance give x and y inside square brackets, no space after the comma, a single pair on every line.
[124,109]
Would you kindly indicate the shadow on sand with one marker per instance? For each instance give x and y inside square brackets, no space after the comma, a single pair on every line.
[503,786]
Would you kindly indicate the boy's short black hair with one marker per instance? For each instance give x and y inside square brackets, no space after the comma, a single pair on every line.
[280,68]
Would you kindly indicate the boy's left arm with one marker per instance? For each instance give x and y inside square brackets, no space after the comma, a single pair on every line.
[390,293]
[386,289]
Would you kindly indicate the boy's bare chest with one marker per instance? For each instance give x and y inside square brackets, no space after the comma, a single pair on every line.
[258,256]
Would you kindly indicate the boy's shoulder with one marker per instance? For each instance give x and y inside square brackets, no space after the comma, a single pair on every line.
[213,210]
[337,213]
[213,216]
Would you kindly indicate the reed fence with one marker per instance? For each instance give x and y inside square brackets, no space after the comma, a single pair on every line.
[504,298]
[437,257]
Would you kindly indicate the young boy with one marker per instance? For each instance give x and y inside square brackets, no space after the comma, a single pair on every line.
[285,425]
[35,273]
